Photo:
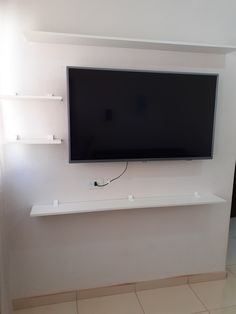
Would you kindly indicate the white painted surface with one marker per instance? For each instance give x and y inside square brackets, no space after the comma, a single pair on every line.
[30,97]
[5,304]
[96,249]
[124,203]
[36,141]
[4,261]
[105,41]
[204,21]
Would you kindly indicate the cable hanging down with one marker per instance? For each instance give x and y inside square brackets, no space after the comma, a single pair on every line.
[109,181]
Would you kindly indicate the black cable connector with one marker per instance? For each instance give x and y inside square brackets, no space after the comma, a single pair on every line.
[109,181]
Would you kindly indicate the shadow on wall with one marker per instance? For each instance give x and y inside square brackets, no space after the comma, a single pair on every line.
[233,208]
[4,300]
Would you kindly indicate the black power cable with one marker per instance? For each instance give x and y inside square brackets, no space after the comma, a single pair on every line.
[109,181]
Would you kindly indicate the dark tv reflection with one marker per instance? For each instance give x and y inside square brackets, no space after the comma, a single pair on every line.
[122,115]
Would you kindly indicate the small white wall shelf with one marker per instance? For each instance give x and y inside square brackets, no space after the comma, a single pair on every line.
[51,139]
[88,40]
[30,97]
[126,203]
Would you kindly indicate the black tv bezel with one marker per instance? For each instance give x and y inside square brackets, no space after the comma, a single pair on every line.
[72,161]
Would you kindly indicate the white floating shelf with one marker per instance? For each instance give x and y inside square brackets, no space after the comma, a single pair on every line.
[88,40]
[34,141]
[126,203]
[30,97]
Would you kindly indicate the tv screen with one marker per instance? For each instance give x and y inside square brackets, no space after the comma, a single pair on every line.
[126,115]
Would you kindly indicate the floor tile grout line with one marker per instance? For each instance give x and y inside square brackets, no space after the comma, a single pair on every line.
[205,311]
[77,307]
[141,306]
[139,301]
[223,308]
[199,299]
[229,271]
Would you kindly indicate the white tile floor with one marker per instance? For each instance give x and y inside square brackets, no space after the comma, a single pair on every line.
[62,308]
[214,297]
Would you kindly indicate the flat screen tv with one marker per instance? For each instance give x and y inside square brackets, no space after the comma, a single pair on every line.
[122,115]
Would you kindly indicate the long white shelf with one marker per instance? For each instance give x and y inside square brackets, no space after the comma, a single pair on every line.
[57,208]
[46,140]
[121,42]
[31,97]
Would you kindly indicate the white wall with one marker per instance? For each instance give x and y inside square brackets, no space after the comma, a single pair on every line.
[89,250]
[201,20]
[4,275]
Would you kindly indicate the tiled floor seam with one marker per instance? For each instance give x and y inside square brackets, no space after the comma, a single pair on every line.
[196,295]
[139,301]
[224,308]
[230,272]
[202,312]
[77,299]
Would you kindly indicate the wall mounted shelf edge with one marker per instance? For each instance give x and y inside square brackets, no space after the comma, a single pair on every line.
[88,40]
[30,97]
[37,140]
[130,202]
